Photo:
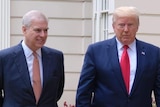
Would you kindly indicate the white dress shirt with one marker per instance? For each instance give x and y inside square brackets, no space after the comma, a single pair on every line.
[132,57]
[29,58]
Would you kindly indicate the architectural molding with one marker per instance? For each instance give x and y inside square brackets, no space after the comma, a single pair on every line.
[4,24]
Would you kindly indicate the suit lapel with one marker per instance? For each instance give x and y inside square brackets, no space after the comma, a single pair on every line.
[21,63]
[115,64]
[141,51]
[47,66]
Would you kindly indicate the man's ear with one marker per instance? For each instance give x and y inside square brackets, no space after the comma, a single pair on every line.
[24,29]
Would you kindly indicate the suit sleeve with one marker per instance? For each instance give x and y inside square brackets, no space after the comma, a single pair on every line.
[86,82]
[1,83]
[157,86]
[61,84]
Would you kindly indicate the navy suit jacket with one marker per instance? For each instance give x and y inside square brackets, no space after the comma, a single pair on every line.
[101,83]
[15,79]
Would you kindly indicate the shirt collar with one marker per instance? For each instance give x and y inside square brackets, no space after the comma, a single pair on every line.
[28,51]
[131,46]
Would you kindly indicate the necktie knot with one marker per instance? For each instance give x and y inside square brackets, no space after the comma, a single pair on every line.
[125,47]
[35,55]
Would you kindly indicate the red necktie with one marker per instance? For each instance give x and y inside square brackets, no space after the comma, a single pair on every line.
[125,67]
[36,78]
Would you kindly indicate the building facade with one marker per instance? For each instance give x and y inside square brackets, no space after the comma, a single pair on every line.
[73,25]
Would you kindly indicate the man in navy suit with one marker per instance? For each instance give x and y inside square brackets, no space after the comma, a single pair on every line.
[101,82]
[16,67]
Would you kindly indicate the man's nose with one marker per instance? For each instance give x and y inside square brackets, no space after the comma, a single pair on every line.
[126,27]
[43,33]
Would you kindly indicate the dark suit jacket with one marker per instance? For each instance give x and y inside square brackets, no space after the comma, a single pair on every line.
[15,80]
[101,77]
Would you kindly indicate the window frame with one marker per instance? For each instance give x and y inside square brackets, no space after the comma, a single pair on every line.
[101,19]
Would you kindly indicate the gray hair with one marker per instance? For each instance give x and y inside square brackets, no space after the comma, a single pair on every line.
[126,11]
[31,15]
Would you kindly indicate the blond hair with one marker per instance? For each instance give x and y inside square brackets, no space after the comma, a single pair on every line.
[126,11]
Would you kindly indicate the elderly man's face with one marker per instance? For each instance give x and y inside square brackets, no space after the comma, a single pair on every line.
[125,29]
[36,34]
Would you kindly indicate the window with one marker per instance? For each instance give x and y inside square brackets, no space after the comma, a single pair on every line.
[101,17]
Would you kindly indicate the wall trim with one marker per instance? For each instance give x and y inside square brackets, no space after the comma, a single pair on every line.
[4,24]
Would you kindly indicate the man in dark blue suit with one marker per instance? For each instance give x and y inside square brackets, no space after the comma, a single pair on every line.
[101,81]
[16,67]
